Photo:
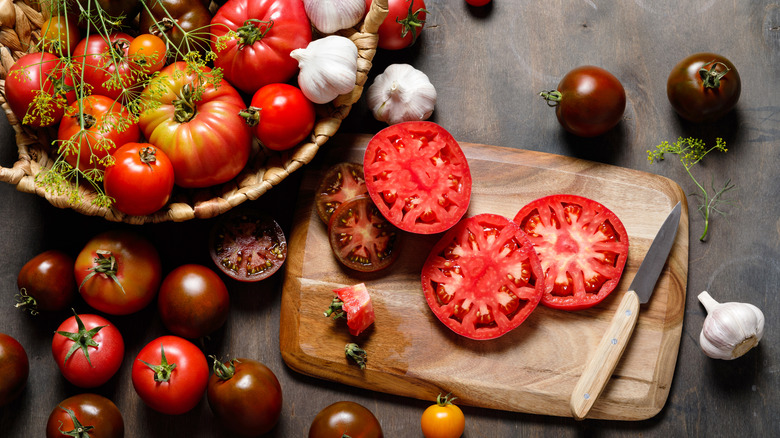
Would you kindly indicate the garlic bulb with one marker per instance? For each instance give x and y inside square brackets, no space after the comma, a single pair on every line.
[730,329]
[328,68]
[401,94]
[328,16]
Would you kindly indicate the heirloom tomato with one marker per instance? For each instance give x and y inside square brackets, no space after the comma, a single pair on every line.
[197,125]
[107,68]
[60,35]
[118,272]
[582,245]
[345,418]
[245,396]
[418,177]
[140,180]
[193,301]
[403,24]
[703,87]
[266,32]
[14,367]
[354,303]
[483,278]
[361,238]
[443,420]
[37,89]
[112,9]
[170,375]
[85,415]
[182,23]
[46,282]
[280,116]
[589,101]
[147,53]
[88,350]
[341,183]
[92,129]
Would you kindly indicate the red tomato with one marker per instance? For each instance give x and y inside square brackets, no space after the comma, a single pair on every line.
[589,101]
[14,367]
[245,396]
[341,183]
[477,2]
[88,349]
[205,138]
[361,238]
[87,146]
[147,53]
[84,414]
[703,87]
[46,282]
[582,246]
[483,278]
[345,418]
[443,420]
[60,35]
[193,301]
[280,116]
[140,180]
[403,24]
[170,375]
[418,177]
[118,272]
[268,30]
[106,64]
[354,303]
[35,89]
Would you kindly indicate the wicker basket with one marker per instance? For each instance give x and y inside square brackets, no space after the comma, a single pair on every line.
[264,170]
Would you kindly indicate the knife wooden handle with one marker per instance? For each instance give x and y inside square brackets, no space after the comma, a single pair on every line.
[603,361]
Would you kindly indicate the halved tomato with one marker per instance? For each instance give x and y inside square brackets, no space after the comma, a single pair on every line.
[341,183]
[483,278]
[418,177]
[361,238]
[582,246]
[353,303]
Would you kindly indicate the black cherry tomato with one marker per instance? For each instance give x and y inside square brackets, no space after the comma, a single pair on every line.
[345,418]
[703,87]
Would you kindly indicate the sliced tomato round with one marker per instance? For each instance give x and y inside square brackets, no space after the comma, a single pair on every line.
[341,183]
[247,246]
[418,176]
[483,278]
[361,238]
[582,245]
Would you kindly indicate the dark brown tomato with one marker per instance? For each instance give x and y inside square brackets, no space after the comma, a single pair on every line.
[171,20]
[96,415]
[47,282]
[345,418]
[193,301]
[247,246]
[341,183]
[703,87]
[14,369]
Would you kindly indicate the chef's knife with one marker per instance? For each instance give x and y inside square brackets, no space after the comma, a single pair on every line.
[603,361]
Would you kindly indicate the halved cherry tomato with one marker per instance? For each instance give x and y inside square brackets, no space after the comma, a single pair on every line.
[582,245]
[443,420]
[483,278]
[354,303]
[140,180]
[341,183]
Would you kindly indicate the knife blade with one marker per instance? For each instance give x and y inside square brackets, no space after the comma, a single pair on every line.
[602,362]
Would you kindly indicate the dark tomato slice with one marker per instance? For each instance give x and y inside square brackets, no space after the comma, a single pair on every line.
[357,307]
[418,176]
[247,246]
[582,245]
[483,278]
[341,182]
[361,238]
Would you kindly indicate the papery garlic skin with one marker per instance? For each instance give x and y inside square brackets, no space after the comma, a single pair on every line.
[730,329]
[401,94]
[328,16]
[328,68]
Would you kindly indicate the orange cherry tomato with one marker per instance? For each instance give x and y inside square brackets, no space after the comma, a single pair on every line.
[147,53]
[443,420]
[60,35]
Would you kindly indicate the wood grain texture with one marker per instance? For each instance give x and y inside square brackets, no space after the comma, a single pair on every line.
[531,369]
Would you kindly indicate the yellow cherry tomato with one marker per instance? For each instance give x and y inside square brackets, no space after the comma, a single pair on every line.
[443,420]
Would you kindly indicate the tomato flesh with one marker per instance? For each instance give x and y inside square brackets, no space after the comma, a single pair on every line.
[341,183]
[361,238]
[358,306]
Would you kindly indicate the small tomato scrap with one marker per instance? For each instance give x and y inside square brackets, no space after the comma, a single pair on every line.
[354,304]
[443,420]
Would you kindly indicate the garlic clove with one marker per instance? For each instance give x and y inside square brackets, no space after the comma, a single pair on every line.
[328,68]
[730,329]
[328,16]
[401,94]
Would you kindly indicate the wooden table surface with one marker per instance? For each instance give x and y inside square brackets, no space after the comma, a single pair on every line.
[488,65]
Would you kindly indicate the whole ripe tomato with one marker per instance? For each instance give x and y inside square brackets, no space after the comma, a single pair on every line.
[36,89]
[170,375]
[402,26]
[280,116]
[418,177]
[107,67]
[589,101]
[46,282]
[140,180]
[197,125]
[84,414]
[345,418]
[245,396]
[703,87]
[443,420]
[113,8]
[14,367]
[147,53]
[88,350]
[181,23]
[582,246]
[118,272]
[193,301]
[268,30]
[362,238]
[92,129]
[341,183]
[483,278]
[60,35]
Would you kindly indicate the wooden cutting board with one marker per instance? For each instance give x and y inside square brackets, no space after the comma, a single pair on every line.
[532,369]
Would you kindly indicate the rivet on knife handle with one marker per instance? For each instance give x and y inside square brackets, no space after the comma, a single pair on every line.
[603,361]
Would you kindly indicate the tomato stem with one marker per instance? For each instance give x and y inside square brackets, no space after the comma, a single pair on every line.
[252,31]
[82,339]
[251,115]
[447,400]
[224,371]
[79,430]
[184,107]
[148,155]
[354,352]
[26,302]
[105,263]
[552,97]
[164,371]
[711,77]
[412,22]
[336,309]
